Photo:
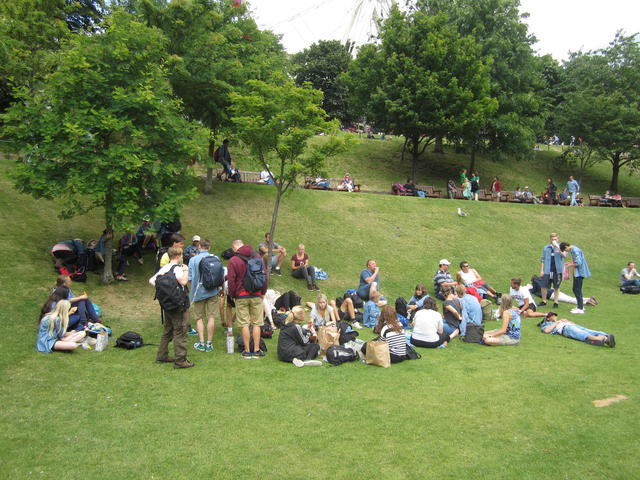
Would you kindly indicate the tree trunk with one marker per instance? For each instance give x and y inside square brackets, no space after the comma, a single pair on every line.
[615,162]
[107,273]
[472,162]
[208,183]
[414,160]
[274,221]
[439,148]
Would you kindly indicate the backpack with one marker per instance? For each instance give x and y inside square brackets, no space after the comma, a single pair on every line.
[633,289]
[337,355]
[240,342]
[474,333]
[174,226]
[255,278]
[279,319]
[129,341]
[169,293]
[347,334]
[487,311]
[266,331]
[211,272]
[228,253]
[287,301]
[159,254]
[355,298]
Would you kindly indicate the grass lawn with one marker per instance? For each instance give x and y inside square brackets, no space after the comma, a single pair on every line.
[466,411]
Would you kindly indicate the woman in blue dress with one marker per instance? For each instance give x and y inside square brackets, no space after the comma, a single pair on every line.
[52,330]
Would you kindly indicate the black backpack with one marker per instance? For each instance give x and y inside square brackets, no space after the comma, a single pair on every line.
[355,298]
[169,293]
[228,253]
[129,341]
[255,278]
[240,342]
[633,289]
[337,355]
[287,300]
[211,272]
[344,335]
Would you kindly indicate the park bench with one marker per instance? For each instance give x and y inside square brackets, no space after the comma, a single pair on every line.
[594,201]
[245,176]
[631,202]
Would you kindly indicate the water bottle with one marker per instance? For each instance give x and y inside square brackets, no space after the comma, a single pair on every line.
[230,342]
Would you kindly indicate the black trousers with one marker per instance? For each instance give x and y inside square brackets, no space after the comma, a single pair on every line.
[577,291]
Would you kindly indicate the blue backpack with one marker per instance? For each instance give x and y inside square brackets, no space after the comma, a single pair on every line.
[255,278]
[211,272]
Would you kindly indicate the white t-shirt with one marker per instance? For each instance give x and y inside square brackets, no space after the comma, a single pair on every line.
[469,277]
[181,272]
[426,323]
[520,295]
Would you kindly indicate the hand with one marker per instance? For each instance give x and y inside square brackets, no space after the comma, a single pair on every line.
[73,310]
[84,296]
[376,270]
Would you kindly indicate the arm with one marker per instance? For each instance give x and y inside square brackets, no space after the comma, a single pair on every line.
[506,318]
[373,276]
[550,328]
[475,272]
[454,311]
[525,306]
[182,274]
[293,265]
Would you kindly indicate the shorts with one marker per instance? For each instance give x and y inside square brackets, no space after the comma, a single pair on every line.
[506,340]
[208,307]
[274,261]
[532,307]
[249,311]
[552,278]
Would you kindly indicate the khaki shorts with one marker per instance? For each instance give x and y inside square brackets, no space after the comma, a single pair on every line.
[507,340]
[209,307]
[249,311]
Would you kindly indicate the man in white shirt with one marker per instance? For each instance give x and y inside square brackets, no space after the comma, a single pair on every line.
[523,299]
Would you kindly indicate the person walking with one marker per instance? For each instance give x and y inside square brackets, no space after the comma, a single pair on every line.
[580,272]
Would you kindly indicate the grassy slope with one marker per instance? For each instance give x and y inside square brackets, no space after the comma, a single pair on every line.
[467,410]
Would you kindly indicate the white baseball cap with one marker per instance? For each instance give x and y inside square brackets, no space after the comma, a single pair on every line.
[444,261]
[196,238]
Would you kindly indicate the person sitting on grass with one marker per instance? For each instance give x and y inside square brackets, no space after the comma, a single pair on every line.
[416,302]
[523,300]
[322,313]
[52,331]
[509,331]
[629,276]
[127,247]
[372,309]
[471,278]
[296,344]
[452,312]
[278,254]
[443,278]
[369,280]
[300,268]
[471,309]
[84,306]
[428,328]
[555,326]
[346,311]
[390,330]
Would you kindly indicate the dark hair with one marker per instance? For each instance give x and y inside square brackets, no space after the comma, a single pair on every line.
[205,244]
[60,293]
[422,289]
[563,246]
[176,238]
[516,280]
[546,318]
[388,317]
[61,279]
[430,304]
[226,140]
[462,263]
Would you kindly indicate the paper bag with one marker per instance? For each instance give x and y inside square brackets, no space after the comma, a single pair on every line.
[378,353]
[327,337]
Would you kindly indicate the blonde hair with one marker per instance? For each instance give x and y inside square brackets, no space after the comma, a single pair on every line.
[62,312]
[506,302]
[295,315]
[325,315]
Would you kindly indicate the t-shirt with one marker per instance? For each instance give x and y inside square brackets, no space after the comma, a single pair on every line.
[397,341]
[625,271]
[297,261]
[441,277]
[557,329]
[265,246]
[520,295]
[319,321]
[469,277]
[426,323]
[449,317]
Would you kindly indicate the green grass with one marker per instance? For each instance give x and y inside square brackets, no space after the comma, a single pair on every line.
[463,412]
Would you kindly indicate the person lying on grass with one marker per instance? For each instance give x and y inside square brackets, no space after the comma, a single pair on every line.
[561,326]
[298,345]
[509,332]
[52,331]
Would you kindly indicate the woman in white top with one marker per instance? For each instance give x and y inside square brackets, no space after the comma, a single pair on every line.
[428,329]
[471,278]
[322,313]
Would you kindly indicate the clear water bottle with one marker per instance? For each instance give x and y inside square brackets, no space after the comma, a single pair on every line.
[230,342]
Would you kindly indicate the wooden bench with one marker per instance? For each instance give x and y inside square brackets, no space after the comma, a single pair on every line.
[594,201]
[631,202]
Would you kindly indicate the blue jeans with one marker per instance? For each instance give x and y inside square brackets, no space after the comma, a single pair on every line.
[573,200]
[578,332]
[631,283]
[86,311]
[448,329]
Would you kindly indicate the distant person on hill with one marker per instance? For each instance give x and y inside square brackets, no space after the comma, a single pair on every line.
[369,280]
[463,177]
[551,192]
[347,183]
[523,300]
[146,234]
[612,200]
[451,189]
[410,187]
[127,247]
[466,189]
[496,189]
[300,268]
[580,272]
[296,344]
[573,188]
[428,328]
[629,276]
[551,265]
[278,254]
[470,277]
[555,326]
[475,185]
[509,331]
[52,331]
[223,156]
[443,278]
[471,309]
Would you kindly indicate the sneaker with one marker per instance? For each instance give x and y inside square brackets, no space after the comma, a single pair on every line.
[577,310]
[610,341]
[192,332]
[306,363]
[247,355]
[208,347]
[597,343]
[259,354]
[316,287]
[166,360]
[199,346]
[310,287]
[542,304]
[357,325]
[121,278]
[183,364]
[298,363]
[555,305]
[443,345]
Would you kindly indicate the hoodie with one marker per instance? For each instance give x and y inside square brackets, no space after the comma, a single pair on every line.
[237,268]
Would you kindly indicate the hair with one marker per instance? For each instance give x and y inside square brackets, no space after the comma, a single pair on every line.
[369,260]
[388,317]
[462,263]
[550,179]
[422,289]
[534,278]
[563,246]
[301,246]
[375,295]
[430,304]
[62,312]
[446,291]
[59,293]
[506,302]
[295,315]
[629,263]
[176,238]
[516,280]
[61,279]
[225,141]
[461,290]
[322,296]
[205,244]
[174,252]
[547,318]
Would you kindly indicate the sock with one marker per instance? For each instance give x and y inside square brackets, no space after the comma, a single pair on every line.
[208,342]
[229,330]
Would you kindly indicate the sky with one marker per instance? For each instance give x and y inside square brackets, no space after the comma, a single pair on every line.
[559,25]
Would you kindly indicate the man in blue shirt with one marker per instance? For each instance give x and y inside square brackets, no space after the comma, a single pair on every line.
[369,280]
[204,303]
[551,264]
[573,187]
[471,309]
[580,272]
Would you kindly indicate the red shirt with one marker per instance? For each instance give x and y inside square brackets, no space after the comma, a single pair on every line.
[299,261]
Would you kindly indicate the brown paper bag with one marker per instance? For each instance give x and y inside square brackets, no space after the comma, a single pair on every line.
[378,353]
[327,337]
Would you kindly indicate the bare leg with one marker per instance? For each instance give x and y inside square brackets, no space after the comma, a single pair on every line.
[373,287]
[347,306]
[211,327]
[454,334]
[200,329]
[256,338]
[65,346]
[246,337]
[532,314]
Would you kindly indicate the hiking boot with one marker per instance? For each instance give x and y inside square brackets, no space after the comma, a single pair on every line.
[259,354]
[610,341]
[183,364]
[199,346]
[166,360]
[247,355]
[208,347]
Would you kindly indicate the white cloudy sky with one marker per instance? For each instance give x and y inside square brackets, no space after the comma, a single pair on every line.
[559,25]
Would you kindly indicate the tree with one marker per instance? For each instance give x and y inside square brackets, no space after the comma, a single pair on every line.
[277,121]
[602,102]
[422,81]
[104,130]
[215,48]
[321,65]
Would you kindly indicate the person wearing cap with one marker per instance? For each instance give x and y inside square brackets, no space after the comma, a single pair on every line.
[192,250]
[555,326]
[443,278]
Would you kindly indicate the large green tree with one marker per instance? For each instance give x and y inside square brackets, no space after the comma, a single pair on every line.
[422,80]
[104,130]
[277,120]
[215,48]
[602,102]
[321,65]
